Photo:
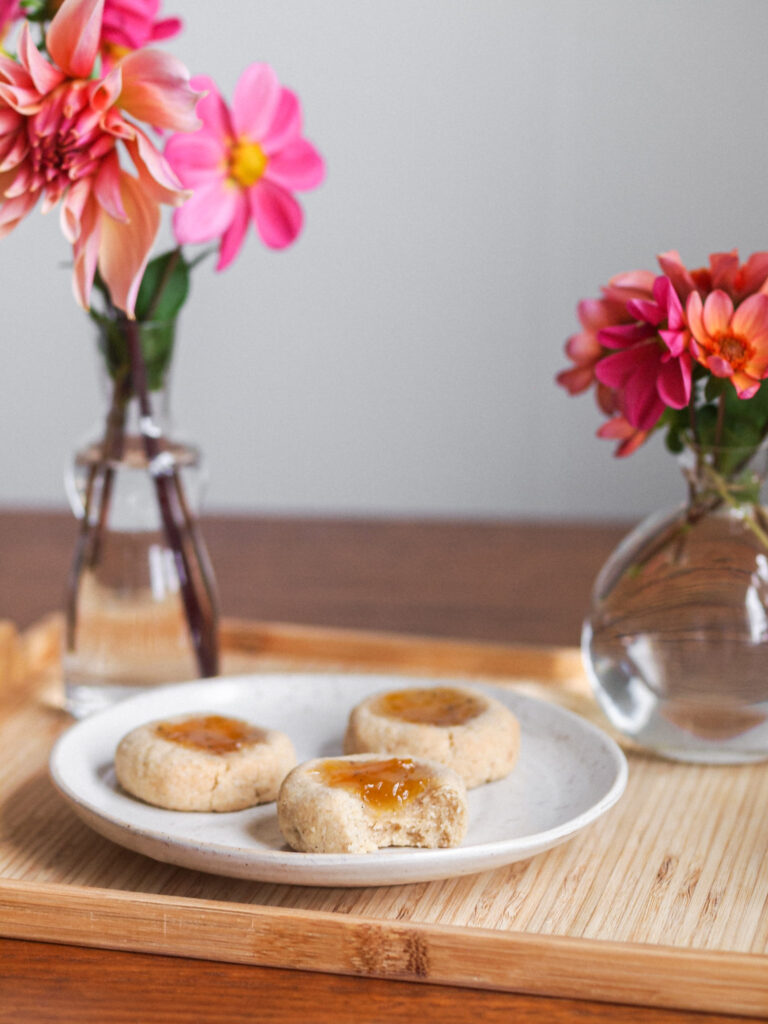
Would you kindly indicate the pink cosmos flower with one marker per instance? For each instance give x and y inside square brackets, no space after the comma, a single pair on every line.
[10,11]
[731,342]
[651,367]
[243,164]
[61,132]
[131,24]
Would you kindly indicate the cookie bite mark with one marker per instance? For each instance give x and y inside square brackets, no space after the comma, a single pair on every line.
[362,803]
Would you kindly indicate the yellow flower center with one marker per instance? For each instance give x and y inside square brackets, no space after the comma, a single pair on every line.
[247,162]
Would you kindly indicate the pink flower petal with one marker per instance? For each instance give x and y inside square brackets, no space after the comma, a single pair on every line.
[233,237]
[720,367]
[643,309]
[157,89]
[14,210]
[166,28]
[674,382]
[146,157]
[754,273]
[196,158]
[583,347]
[86,253]
[298,166]
[74,35]
[678,274]
[44,75]
[575,380]
[625,335]
[106,187]
[125,246]
[635,372]
[718,310]
[207,214]
[211,109]
[255,102]
[286,123]
[615,370]
[751,318]
[618,429]
[676,341]
[746,386]
[277,215]
[107,92]
[694,311]
[633,284]
[725,267]
[72,209]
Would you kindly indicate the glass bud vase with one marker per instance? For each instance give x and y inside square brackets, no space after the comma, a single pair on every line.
[676,641]
[141,607]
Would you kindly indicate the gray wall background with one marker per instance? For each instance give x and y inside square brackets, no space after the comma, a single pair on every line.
[490,162]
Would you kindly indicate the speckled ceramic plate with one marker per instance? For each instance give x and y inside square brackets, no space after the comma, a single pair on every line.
[567,775]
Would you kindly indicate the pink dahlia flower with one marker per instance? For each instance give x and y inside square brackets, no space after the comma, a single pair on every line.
[731,342]
[584,348]
[243,165]
[61,133]
[651,367]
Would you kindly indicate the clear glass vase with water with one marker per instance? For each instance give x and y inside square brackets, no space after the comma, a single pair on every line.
[676,640]
[141,608]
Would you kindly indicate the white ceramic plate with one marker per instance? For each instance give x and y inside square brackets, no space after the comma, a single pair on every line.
[567,775]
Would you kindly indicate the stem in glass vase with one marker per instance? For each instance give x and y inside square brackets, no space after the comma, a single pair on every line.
[92,528]
[177,523]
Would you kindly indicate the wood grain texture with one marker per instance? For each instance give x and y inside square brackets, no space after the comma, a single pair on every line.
[525,582]
[672,884]
[42,982]
[503,582]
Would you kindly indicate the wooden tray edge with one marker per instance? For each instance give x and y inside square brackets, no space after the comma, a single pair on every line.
[659,976]
[401,651]
[39,647]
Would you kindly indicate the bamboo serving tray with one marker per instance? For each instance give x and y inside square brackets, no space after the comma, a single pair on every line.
[662,902]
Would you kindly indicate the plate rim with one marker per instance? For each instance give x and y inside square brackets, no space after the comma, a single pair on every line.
[392,861]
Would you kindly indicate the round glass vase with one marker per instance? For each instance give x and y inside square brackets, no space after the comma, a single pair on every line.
[676,641]
[141,606]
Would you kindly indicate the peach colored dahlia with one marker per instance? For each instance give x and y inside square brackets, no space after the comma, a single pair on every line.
[61,135]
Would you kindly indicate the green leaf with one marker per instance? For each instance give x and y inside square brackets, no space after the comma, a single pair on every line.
[714,387]
[156,339]
[676,423]
[164,287]
[753,410]
[157,348]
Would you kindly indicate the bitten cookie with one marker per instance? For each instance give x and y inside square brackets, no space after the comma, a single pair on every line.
[362,803]
[203,762]
[470,732]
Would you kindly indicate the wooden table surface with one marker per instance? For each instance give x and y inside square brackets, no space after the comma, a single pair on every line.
[507,582]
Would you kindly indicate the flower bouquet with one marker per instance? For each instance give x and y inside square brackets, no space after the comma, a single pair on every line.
[676,642]
[96,121]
